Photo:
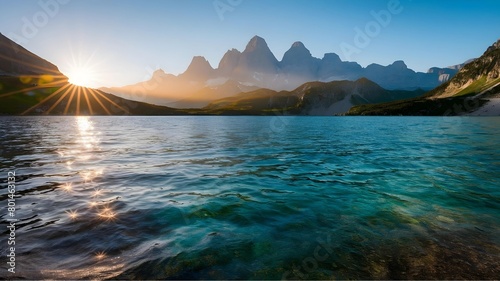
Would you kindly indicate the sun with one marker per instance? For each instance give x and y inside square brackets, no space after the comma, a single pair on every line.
[84,72]
[84,67]
[81,76]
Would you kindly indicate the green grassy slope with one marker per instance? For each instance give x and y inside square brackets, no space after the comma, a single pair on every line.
[18,97]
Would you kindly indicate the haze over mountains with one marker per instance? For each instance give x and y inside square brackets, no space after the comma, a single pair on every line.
[257,67]
[30,85]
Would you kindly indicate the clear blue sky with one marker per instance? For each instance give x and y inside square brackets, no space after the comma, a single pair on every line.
[124,40]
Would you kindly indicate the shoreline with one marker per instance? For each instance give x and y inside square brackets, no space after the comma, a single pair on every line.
[491,108]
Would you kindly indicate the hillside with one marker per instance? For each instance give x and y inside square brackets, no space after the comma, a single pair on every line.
[18,98]
[314,98]
[30,85]
[475,86]
[15,60]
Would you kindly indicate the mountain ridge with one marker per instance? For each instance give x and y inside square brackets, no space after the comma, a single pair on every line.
[32,97]
[257,66]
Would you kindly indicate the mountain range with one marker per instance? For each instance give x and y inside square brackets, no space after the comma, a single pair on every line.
[30,85]
[257,67]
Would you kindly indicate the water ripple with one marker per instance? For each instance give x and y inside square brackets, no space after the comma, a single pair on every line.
[237,198]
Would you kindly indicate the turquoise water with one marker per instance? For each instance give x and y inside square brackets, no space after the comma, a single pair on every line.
[253,197]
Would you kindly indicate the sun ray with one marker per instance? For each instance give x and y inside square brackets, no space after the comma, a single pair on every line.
[46,99]
[39,87]
[58,101]
[73,91]
[112,102]
[78,102]
[99,101]
[89,106]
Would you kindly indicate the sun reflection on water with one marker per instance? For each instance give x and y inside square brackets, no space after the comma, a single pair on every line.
[107,214]
[97,193]
[100,255]
[89,139]
[76,159]
[68,187]
[84,123]
[89,176]
[72,214]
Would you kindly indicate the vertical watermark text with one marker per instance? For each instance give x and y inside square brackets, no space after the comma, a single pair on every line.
[11,221]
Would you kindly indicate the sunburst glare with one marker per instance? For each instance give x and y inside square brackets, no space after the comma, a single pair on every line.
[107,213]
[84,124]
[72,214]
[83,68]
[81,76]
[100,255]
[67,187]
[97,193]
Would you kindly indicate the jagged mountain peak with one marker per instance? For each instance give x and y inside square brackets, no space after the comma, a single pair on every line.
[199,69]
[233,51]
[229,62]
[159,73]
[298,50]
[232,54]
[332,57]
[298,44]
[199,61]
[257,62]
[256,43]
[399,64]
[298,61]
[495,46]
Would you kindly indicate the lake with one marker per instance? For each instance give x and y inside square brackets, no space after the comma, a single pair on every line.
[252,197]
